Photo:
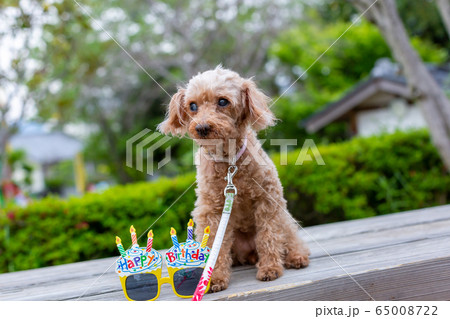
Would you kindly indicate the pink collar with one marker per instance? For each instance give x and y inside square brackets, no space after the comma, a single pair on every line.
[235,159]
[241,151]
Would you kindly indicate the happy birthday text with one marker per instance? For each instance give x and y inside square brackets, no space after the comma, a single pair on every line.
[186,255]
[138,261]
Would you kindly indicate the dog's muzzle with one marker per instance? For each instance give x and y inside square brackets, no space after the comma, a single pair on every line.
[202,129]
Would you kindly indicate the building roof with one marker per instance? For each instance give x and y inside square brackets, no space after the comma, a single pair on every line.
[47,148]
[384,84]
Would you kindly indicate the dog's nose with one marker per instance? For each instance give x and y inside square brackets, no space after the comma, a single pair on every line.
[202,129]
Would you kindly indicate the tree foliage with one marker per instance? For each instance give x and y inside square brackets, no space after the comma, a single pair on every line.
[80,75]
[114,66]
[348,61]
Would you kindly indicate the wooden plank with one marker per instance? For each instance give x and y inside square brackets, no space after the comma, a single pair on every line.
[381,238]
[364,248]
[377,223]
[333,246]
[60,273]
[243,281]
[320,233]
[426,280]
[357,263]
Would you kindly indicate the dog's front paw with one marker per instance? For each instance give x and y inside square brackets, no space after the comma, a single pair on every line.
[218,285]
[296,261]
[269,273]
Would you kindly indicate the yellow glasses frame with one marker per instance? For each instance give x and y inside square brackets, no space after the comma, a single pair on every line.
[161,281]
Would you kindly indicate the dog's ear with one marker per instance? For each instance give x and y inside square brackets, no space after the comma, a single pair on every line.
[176,117]
[256,111]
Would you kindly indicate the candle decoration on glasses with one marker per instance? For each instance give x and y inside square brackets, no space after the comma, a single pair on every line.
[149,241]
[120,247]
[190,229]
[205,237]
[184,260]
[137,260]
[133,236]
[188,254]
[173,234]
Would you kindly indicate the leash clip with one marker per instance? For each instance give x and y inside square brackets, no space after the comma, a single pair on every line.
[232,169]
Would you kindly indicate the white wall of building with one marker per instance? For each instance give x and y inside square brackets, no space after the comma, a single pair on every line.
[397,116]
[37,178]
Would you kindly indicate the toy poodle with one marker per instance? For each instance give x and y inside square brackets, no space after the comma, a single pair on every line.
[222,112]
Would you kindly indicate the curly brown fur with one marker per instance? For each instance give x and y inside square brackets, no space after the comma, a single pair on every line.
[260,230]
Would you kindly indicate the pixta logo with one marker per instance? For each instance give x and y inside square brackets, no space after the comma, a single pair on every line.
[144,149]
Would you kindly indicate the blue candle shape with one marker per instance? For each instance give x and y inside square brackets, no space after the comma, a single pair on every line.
[190,229]
[173,234]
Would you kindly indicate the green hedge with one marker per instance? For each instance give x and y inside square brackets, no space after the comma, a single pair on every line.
[54,231]
[366,177]
[361,178]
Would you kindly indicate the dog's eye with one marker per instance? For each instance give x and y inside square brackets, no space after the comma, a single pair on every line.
[193,107]
[223,102]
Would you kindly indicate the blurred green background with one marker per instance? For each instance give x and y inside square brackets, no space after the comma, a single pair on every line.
[75,85]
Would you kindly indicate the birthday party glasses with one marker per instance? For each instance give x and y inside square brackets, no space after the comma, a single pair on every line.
[140,268]
[147,286]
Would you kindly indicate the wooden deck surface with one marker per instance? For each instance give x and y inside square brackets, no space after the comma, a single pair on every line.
[402,256]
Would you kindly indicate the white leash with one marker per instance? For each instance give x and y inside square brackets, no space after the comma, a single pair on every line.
[230,191]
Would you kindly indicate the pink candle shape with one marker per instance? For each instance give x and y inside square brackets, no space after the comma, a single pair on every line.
[133,235]
[190,229]
[149,241]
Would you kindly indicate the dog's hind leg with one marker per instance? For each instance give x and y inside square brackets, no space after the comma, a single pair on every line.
[296,250]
